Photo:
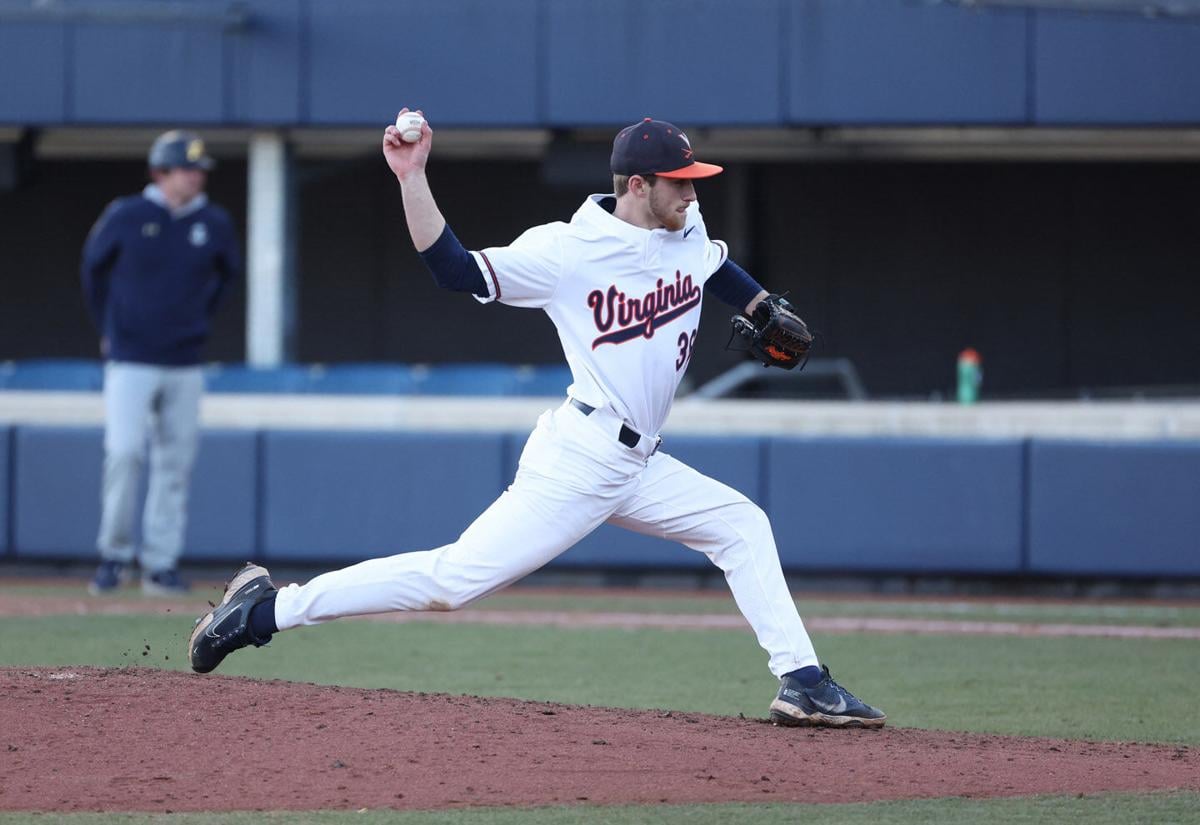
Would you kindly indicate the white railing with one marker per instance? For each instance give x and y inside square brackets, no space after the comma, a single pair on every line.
[1125,420]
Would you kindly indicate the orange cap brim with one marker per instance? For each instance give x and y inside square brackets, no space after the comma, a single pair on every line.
[695,170]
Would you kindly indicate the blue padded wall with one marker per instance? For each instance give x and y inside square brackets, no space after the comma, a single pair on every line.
[57,491]
[548,63]
[223,508]
[268,66]
[5,500]
[856,505]
[466,62]
[57,494]
[348,496]
[1101,69]
[863,61]
[922,505]
[1114,508]
[35,53]
[731,460]
[552,62]
[617,61]
[179,69]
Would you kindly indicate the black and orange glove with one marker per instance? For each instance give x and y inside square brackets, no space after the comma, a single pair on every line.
[775,333]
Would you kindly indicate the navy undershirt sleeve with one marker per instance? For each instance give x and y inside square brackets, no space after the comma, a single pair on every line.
[733,285]
[452,265]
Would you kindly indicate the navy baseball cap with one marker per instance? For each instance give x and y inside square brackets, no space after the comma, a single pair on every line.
[178,149]
[655,147]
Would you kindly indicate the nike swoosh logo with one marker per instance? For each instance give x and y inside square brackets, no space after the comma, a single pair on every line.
[827,707]
[688,231]
[209,631]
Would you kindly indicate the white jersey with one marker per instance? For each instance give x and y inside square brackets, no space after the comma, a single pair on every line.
[625,302]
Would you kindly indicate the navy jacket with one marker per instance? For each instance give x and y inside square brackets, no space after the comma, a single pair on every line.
[153,279]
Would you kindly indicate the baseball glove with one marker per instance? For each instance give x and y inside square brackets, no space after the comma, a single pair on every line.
[775,333]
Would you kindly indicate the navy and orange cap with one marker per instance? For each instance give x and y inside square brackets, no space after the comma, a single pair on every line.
[655,147]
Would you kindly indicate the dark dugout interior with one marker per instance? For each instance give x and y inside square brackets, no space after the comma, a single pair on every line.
[1071,279]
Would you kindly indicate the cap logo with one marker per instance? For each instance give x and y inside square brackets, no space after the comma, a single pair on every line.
[687,146]
[195,150]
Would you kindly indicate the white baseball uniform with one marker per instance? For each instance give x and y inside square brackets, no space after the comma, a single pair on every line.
[626,304]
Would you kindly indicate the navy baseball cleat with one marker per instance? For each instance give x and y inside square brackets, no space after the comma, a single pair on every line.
[825,703]
[164,583]
[226,627]
[109,576]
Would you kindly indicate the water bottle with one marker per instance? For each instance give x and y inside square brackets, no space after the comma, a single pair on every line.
[970,376]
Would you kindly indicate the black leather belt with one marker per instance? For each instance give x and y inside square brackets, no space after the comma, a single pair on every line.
[628,437]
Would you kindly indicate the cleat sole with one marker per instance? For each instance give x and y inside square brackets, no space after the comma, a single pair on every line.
[786,715]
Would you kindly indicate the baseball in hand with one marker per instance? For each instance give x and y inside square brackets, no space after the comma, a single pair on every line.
[409,126]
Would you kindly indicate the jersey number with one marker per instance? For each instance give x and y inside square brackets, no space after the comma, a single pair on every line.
[687,343]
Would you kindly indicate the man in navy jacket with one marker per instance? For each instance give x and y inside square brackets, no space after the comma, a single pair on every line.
[155,267]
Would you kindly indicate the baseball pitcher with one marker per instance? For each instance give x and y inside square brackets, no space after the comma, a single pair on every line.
[622,281]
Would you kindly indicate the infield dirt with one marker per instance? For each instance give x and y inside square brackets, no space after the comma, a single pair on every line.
[140,739]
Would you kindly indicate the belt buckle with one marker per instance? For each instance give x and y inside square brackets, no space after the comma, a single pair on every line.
[588,409]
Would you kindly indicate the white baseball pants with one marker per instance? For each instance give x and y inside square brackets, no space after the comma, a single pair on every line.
[575,475]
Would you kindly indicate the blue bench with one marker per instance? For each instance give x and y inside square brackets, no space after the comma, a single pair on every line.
[52,375]
[323,379]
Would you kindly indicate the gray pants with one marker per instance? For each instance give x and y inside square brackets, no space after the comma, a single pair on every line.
[163,404]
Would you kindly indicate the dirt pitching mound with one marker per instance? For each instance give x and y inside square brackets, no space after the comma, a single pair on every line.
[137,739]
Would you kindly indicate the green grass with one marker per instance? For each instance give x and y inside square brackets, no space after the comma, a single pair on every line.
[1139,690]
[1089,612]
[1084,612]
[718,602]
[1108,809]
